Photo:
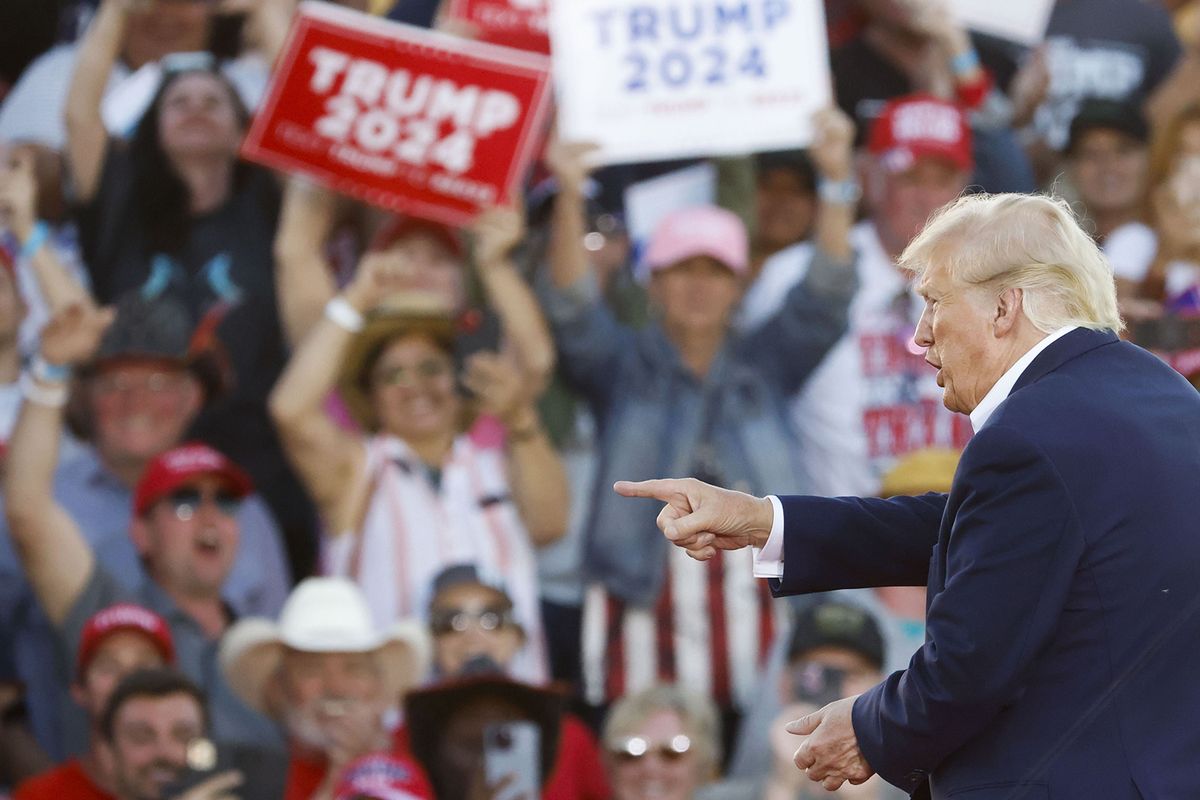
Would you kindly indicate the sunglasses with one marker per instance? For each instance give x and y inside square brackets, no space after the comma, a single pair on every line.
[424,372]
[459,620]
[185,502]
[633,749]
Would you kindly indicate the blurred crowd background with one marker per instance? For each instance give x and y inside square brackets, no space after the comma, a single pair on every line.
[306,499]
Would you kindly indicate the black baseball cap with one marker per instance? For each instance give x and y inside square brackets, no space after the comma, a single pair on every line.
[836,624]
[1096,114]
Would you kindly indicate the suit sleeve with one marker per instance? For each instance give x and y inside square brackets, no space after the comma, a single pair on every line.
[1012,552]
[852,543]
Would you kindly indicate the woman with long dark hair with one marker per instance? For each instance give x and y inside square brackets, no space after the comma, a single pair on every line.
[173,212]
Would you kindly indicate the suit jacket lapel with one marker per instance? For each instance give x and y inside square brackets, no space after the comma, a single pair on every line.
[1073,345]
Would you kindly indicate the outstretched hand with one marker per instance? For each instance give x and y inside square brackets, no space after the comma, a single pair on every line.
[703,519]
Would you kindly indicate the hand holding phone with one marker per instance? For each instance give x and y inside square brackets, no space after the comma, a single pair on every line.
[512,760]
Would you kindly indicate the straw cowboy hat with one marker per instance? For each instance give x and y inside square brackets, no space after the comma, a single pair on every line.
[382,328]
[321,615]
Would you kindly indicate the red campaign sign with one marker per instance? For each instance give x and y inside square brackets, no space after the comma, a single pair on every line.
[405,118]
[513,23]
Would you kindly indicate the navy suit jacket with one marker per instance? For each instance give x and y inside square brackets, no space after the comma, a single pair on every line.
[1062,654]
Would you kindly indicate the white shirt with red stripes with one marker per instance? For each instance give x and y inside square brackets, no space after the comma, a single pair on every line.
[710,631]
[412,530]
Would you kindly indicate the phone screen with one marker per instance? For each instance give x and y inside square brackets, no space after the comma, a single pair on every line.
[512,750]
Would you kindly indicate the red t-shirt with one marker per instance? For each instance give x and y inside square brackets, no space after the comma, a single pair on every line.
[578,769]
[65,780]
[306,774]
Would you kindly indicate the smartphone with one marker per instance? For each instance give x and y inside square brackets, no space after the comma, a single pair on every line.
[513,749]
[477,329]
[204,760]
[817,684]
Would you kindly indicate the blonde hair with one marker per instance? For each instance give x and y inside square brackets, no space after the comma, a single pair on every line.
[1019,241]
[697,713]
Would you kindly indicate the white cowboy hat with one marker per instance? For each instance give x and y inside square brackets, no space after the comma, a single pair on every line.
[321,615]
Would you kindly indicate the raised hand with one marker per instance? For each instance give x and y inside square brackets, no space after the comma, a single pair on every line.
[702,518]
[498,386]
[73,335]
[570,163]
[380,274]
[496,233]
[832,148]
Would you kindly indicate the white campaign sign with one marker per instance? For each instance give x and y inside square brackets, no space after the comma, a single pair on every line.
[660,79]
[1021,21]
[648,202]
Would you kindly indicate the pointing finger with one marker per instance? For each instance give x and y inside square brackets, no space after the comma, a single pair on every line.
[662,489]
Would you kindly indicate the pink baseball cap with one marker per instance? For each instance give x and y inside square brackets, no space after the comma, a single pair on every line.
[699,231]
[921,126]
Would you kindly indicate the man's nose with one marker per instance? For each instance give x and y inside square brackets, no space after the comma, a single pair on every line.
[923,336]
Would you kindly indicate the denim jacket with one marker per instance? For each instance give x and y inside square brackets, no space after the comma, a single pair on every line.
[656,418]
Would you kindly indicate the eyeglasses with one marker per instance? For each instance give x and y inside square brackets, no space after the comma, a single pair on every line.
[633,749]
[459,620]
[185,502]
[425,372]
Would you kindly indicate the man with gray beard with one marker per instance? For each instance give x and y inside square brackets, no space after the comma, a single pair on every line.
[327,676]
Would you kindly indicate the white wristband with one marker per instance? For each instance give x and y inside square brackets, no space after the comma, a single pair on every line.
[345,316]
[51,398]
[46,372]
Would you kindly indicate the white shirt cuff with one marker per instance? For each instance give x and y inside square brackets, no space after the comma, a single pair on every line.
[768,561]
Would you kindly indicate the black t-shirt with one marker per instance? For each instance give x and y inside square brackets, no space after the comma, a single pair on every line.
[225,266]
[1110,49]
[864,80]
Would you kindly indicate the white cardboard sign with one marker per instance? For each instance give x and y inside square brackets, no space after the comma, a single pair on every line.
[1021,21]
[662,79]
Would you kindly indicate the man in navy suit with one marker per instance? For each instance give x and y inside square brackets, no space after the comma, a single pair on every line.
[1063,568]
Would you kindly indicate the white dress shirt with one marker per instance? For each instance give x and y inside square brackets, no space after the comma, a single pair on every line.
[768,562]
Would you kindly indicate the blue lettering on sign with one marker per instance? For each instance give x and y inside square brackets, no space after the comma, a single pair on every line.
[603,18]
[715,59]
[774,12]
[676,68]
[643,24]
[726,16]
[722,33]
[686,31]
[637,78]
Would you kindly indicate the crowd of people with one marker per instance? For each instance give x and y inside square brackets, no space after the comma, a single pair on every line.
[306,499]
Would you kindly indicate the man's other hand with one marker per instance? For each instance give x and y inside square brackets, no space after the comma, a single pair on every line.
[829,753]
[702,518]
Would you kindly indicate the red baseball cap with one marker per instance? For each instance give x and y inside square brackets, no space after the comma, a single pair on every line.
[921,126]
[123,617]
[383,777]
[178,466]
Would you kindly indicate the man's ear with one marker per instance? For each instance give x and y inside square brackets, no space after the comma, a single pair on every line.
[275,695]
[193,400]
[78,693]
[1009,305]
[139,534]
